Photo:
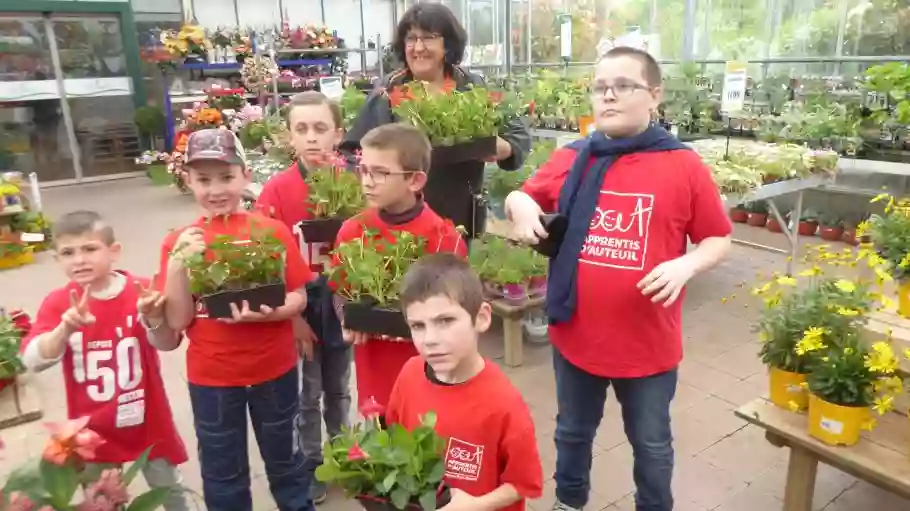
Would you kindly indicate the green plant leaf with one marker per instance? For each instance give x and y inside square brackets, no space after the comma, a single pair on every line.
[437,472]
[60,482]
[428,500]
[429,420]
[137,466]
[390,480]
[400,497]
[326,473]
[25,479]
[151,500]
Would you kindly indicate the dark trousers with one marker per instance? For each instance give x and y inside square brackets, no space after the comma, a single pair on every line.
[645,406]
[220,416]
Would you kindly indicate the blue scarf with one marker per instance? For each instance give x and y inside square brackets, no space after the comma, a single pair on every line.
[578,200]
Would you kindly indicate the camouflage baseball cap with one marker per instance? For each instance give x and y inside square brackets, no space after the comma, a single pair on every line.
[214,144]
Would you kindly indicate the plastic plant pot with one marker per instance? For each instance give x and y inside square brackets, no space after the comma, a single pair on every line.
[773,225]
[739,216]
[807,228]
[515,293]
[537,286]
[831,233]
[218,305]
[757,219]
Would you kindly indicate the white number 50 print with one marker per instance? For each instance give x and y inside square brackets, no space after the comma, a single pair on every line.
[102,380]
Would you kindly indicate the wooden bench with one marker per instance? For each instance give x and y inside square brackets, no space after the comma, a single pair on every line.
[881,458]
[512,314]
[19,404]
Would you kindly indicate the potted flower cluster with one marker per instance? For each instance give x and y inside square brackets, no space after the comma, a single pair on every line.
[189,43]
[757,213]
[808,223]
[351,102]
[509,271]
[388,469]
[231,272]
[890,239]
[63,470]
[335,196]
[739,214]
[13,327]
[462,125]
[500,183]
[830,228]
[811,333]
[368,278]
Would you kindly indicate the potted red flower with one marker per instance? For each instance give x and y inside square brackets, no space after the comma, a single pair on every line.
[773,225]
[808,224]
[13,327]
[388,469]
[52,483]
[758,214]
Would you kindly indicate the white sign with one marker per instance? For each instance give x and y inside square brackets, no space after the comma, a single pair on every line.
[565,36]
[734,92]
[332,87]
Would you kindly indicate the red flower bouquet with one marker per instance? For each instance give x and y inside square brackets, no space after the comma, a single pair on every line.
[387,468]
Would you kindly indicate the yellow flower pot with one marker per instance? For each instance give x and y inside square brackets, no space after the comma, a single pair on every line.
[834,424]
[15,261]
[903,298]
[786,388]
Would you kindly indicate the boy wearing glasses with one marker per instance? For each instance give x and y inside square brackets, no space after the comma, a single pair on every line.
[393,171]
[634,196]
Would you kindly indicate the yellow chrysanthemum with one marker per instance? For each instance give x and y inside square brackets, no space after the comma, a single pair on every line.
[869,424]
[883,404]
[845,285]
[811,341]
[786,281]
[794,406]
[811,272]
[843,311]
[882,359]
[758,291]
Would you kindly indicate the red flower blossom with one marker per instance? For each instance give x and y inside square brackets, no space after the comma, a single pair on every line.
[371,409]
[355,453]
[107,493]
[72,438]
[496,96]
[531,107]
[18,501]
[21,320]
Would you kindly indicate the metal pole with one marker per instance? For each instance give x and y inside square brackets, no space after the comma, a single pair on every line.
[64,104]
[529,35]
[379,63]
[508,49]
[236,13]
[363,41]
[841,28]
[688,50]
[322,11]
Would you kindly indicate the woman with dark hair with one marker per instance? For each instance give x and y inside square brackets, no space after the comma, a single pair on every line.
[430,42]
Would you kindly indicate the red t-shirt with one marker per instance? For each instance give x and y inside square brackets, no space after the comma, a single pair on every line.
[235,355]
[113,375]
[285,197]
[649,204]
[487,426]
[378,362]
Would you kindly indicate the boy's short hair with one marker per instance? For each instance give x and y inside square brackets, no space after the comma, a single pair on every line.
[409,143]
[315,98]
[214,144]
[653,75]
[78,223]
[446,275]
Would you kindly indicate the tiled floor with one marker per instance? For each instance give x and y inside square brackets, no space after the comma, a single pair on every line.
[722,463]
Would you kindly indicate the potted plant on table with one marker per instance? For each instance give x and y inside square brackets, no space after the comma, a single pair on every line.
[846,381]
[889,235]
[388,469]
[831,228]
[739,214]
[368,277]
[232,271]
[335,196]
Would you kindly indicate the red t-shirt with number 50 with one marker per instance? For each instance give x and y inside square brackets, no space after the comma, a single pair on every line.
[113,375]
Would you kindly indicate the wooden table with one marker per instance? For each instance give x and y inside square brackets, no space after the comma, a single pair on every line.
[882,456]
[511,314]
[19,404]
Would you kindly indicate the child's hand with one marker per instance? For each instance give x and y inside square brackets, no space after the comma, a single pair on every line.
[150,303]
[462,501]
[190,242]
[78,315]
[244,314]
[352,337]
[305,338]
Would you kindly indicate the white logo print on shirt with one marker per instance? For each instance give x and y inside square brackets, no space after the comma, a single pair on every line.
[463,460]
[618,235]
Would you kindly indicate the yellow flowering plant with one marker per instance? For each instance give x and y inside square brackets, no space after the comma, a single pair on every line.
[854,374]
[890,236]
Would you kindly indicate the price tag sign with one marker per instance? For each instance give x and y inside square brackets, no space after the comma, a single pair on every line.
[734,92]
[332,87]
[565,36]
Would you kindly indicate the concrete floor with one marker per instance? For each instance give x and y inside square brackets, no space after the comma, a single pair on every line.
[722,463]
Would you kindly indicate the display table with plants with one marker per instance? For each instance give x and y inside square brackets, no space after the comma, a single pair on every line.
[230,272]
[23,231]
[514,279]
[889,235]
[831,383]
[367,272]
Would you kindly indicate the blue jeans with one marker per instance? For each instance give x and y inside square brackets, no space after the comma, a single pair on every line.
[326,378]
[645,406]
[219,415]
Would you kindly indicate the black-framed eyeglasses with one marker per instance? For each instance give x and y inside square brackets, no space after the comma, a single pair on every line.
[411,40]
[379,176]
[620,90]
